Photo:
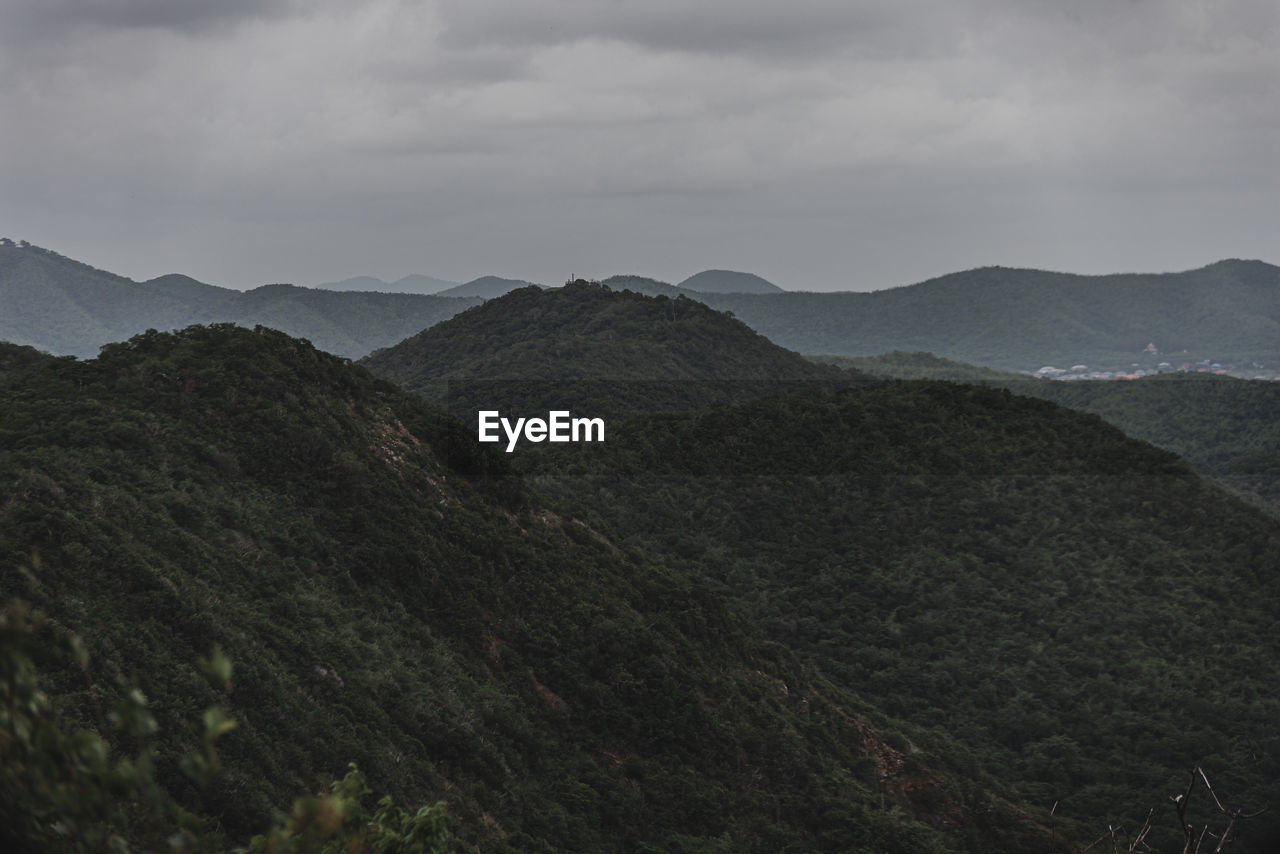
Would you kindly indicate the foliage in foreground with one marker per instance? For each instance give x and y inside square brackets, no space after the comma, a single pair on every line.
[64,791]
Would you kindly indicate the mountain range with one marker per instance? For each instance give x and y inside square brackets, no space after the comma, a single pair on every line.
[782,607]
[1021,320]
[389,593]
[963,557]
[62,306]
[1012,319]
[412,284]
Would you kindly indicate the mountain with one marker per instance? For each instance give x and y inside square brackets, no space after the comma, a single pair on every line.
[192,292]
[970,558]
[387,594]
[487,287]
[412,284]
[1228,429]
[63,306]
[346,324]
[1075,611]
[729,282]
[1011,319]
[1023,319]
[356,283]
[599,351]
[416,283]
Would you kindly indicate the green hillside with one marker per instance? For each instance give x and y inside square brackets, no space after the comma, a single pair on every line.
[972,557]
[390,596]
[1076,611]
[594,350]
[1228,429]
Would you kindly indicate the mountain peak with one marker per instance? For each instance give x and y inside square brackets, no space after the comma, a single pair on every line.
[585,332]
[487,287]
[729,282]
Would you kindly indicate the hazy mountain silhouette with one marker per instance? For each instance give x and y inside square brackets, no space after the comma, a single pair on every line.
[729,282]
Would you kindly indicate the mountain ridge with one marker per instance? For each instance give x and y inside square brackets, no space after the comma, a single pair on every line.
[67,307]
[390,597]
[1006,318]
[729,281]
[488,287]
[596,347]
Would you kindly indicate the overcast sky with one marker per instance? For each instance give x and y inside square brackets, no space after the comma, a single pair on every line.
[822,144]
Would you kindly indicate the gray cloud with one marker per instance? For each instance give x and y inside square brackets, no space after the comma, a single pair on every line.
[48,18]
[826,143]
[799,28]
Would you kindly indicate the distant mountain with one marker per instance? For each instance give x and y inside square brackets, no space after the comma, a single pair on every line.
[184,287]
[920,366]
[1011,319]
[356,283]
[729,282]
[1023,319]
[610,352]
[419,284]
[413,284]
[65,307]
[54,303]
[487,287]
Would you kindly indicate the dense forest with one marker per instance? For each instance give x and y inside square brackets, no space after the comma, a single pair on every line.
[227,525]
[596,351]
[785,606]
[897,531]
[1227,428]
[1038,592]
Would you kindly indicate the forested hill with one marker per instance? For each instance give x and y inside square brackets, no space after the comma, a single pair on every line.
[1227,428]
[1075,610]
[389,597]
[595,350]
[1023,319]
[64,307]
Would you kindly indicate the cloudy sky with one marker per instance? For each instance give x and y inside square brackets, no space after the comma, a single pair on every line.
[823,144]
